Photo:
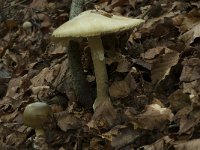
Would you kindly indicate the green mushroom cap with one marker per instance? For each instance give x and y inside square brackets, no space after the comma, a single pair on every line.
[36,114]
[95,23]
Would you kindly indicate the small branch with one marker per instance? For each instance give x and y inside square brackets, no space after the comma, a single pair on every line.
[81,86]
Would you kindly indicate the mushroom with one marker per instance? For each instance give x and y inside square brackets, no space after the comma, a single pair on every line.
[36,115]
[27,25]
[92,24]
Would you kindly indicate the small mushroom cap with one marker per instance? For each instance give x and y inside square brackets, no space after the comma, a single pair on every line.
[95,23]
[36,114]
[27,25]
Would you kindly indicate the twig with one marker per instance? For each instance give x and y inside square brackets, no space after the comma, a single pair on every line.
[82,89]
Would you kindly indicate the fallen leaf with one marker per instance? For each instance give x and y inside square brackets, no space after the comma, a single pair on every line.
[46,75]
[67,122]
[39,4]
[192,88]
[154,117]
[178,100]
[9,116]
[154,52]
[11,24]
[162,65]
[130,79]
[187,145]
[161,144]
[132,3]
[41,91]
[15,138]
[95,143]
[104,115]
[13,90]
[190,70]
[124,138]
[123,65]
[119,89]
[153,21]
[191,35]
[44,19]
[186,126]
[120,136]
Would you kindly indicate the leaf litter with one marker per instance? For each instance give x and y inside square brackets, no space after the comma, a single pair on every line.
[154,77]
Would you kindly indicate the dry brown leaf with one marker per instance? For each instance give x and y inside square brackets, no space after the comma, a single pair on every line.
[58,49]
[95,143]
[152,53]
[161,144]
[119,89]
[162,65]
[154,117]
[46,75]
[132,3]
[120,136]
[39,4]
[113,132]
[9,117]
[124,138]
[123,65]
[5,75]
[190,70]
[41,91]
[197,4]
[158,101]
[185,22]
[15,138]
[68,122]
[190,77]
[11,137]
[53,75]
[116,3]
[187,145]
[19,61]
[178,5]
[191,35]
[178,20]
[142,63]
[182,113]
[63,81]
[186,126]
[14,88]
[151,22]
[131,80]
[11,24]
[118,11]
[114,57]
[104,115]
[193,89]
[44,19]
[179,100]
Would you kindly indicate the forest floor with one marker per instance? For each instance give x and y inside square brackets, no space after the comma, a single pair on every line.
[154,77]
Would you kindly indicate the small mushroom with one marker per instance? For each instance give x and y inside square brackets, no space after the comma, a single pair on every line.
[92,24]
[27,25]
[35,116]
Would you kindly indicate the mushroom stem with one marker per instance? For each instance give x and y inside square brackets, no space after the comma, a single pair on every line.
[39,132]
[40,140]
[97,52]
